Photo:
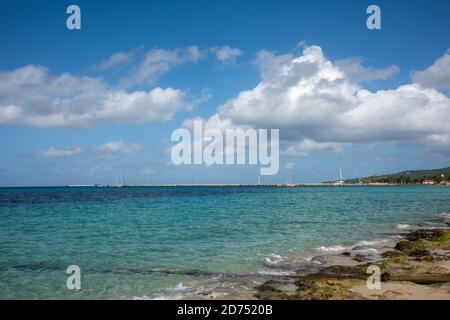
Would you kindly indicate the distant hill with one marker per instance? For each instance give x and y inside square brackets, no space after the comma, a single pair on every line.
[407,177]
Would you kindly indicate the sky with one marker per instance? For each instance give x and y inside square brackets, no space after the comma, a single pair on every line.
[84,106]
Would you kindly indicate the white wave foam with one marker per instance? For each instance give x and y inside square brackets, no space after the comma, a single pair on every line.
[180,287]
[331,248]
[403,226]
[273,259]
[366,250]
[374,243]
[276,273]
[141,298]
[181,291]
[445,215]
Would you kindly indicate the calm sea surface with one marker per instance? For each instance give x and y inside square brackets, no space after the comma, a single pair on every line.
[172,241]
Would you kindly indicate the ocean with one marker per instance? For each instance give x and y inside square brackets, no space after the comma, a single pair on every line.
[176,242]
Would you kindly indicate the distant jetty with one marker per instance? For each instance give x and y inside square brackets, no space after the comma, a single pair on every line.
[284,185]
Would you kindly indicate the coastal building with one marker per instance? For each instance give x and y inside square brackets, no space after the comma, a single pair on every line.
[428,182]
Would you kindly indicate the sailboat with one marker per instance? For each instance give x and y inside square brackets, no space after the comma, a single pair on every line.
[121,185]
[341,180]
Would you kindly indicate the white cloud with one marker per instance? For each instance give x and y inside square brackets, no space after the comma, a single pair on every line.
[31,96]
[307,146]
[226,54]
[317,106]
[53,152]
[355,71]
[437,75]
[112,149]
[289,166]
[157,62]
[116,59]
[118,147]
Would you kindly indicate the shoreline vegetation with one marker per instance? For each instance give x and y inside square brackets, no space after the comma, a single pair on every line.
[423,177]
[417,267]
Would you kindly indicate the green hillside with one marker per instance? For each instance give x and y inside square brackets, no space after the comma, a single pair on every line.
[407,177]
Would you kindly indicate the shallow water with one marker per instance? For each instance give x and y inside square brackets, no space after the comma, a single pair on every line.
[173,241]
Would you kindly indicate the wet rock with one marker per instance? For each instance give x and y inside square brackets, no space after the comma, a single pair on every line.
[343,272]
[420,253]
[326,289]
[436,235]
[420,278]
[412,260]
[392,254]
[278,286]
[362,248]
[414,246]
[277,290]
[366,257]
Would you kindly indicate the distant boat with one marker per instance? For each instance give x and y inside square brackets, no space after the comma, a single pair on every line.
[341,180]
[121,185]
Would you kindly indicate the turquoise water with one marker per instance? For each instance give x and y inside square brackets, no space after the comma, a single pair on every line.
[151,242]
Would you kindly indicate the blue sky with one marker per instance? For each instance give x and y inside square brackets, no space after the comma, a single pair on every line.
[38,148]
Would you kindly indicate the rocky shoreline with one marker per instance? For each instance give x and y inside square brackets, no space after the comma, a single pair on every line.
[415,267]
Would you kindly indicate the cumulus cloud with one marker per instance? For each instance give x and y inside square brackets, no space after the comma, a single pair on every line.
[437,75]
[317,106]
[226,54]
[31,96]
[354,70]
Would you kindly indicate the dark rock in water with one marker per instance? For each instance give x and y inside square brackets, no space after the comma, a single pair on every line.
[319,259]
[420,241]
[361,248]
[346,253]
[429,234]
[366,257]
